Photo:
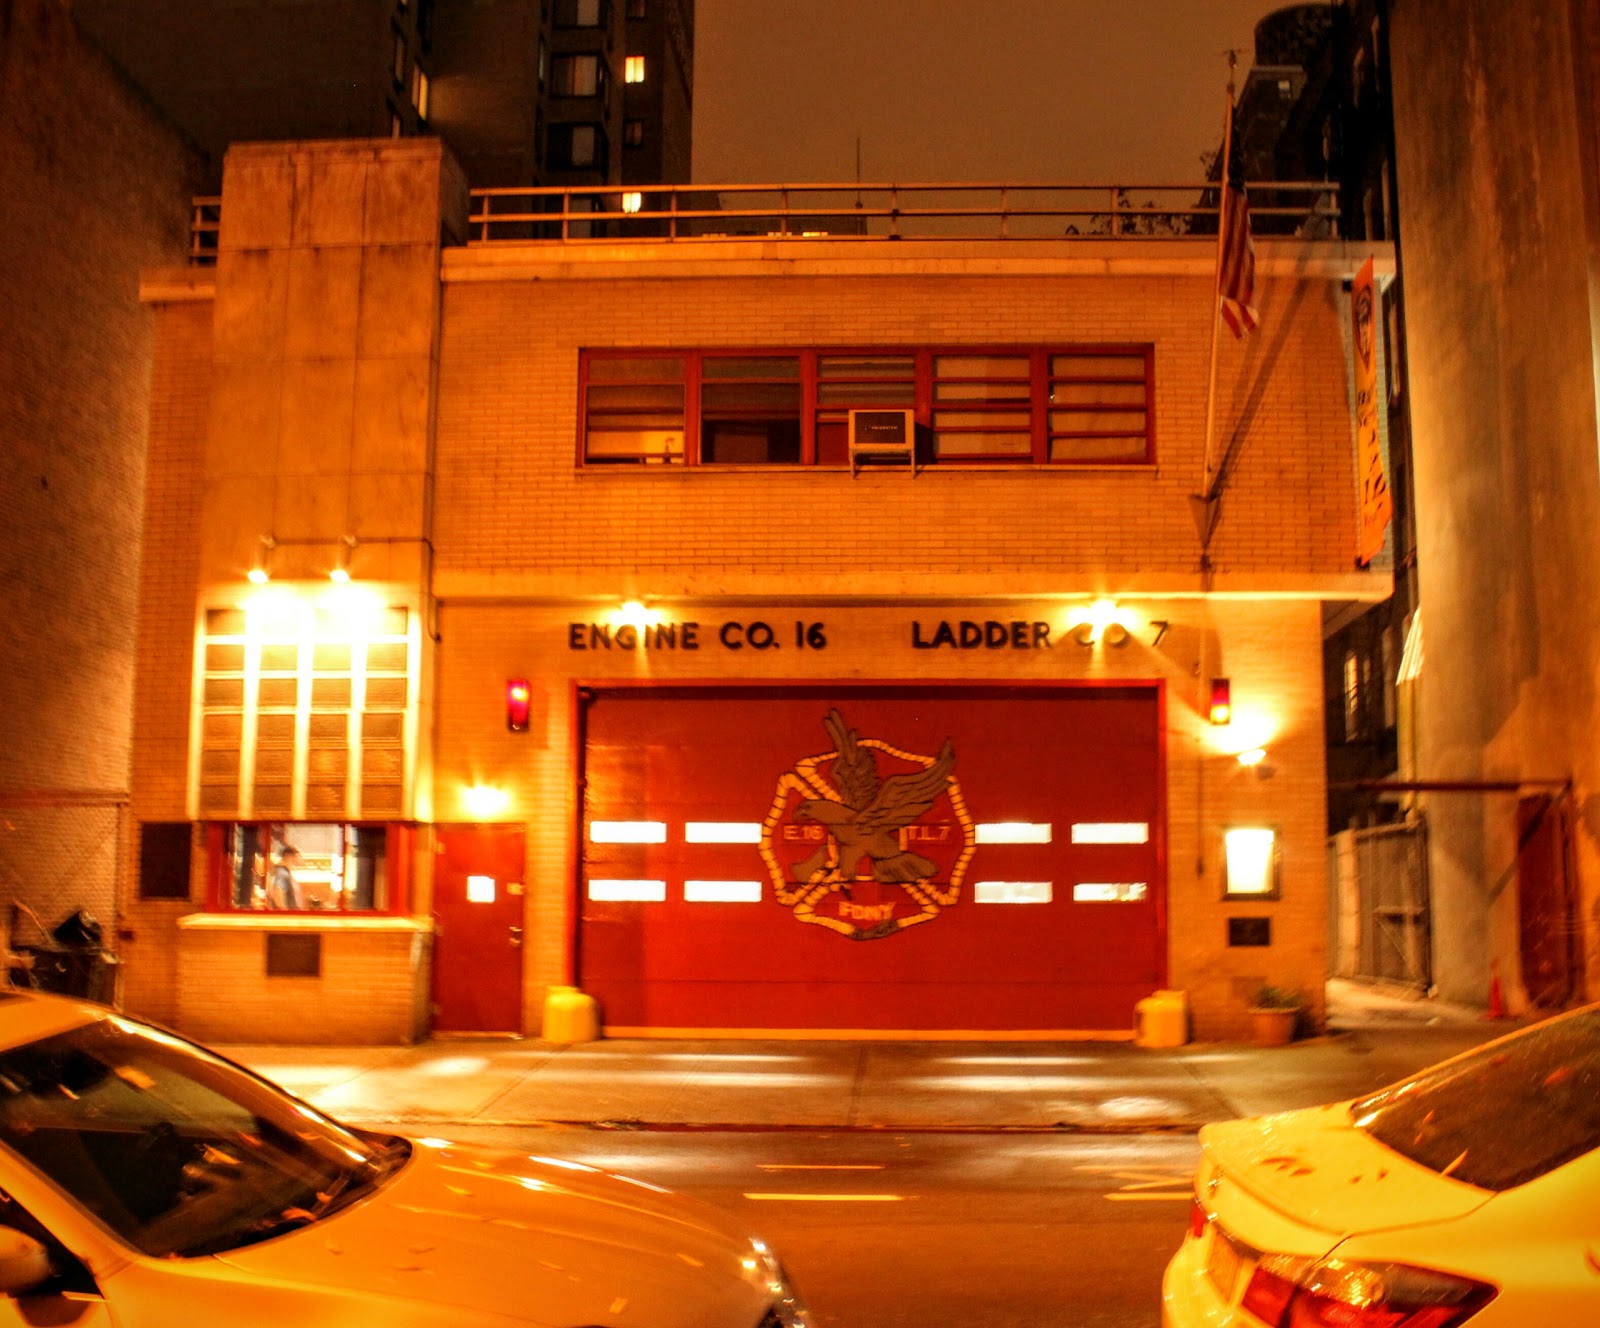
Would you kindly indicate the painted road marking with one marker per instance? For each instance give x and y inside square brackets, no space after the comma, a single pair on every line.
[821,1166]
[1147,1183]
[826,1198]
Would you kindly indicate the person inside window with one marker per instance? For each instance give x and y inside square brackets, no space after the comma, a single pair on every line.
[282,892]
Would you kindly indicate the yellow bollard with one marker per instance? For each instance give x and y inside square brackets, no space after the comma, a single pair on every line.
[570,1016]
[1162,1019]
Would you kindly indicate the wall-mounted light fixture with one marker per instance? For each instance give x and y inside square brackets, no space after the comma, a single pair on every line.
[261,569]
[340,574]
[637,615]
[1255,759]
[1250,862]
[1102,621]
[484,801]
[1219,709]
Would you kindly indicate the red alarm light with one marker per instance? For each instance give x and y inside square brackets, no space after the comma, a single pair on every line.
[1221,709]
[518,704]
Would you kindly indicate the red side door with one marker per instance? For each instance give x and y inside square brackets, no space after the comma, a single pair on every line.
[478,913]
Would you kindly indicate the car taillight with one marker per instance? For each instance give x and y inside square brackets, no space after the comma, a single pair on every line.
[1197,1219]
[1286,1292]
[1268,1295]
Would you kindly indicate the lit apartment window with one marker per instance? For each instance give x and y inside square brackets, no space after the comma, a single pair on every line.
[1352,697]
[632,201]
[419,91]
[578,76]
[633,70]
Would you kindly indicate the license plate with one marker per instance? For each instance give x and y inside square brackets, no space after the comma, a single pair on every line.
[1222,1264]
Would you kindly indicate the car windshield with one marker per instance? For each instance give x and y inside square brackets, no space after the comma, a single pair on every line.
[1503,1115]
[177,1151]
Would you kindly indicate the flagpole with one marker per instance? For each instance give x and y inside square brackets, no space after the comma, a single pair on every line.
[1216,291]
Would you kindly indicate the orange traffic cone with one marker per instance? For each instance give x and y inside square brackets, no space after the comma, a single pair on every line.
[1497,1000]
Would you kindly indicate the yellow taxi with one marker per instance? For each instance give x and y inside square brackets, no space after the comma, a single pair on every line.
[148,1183]
[1468,1194]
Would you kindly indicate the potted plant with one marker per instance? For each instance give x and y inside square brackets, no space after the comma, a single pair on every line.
[1274,1011]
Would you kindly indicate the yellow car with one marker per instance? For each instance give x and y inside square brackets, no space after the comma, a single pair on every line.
[1468,1194]
[148,1183]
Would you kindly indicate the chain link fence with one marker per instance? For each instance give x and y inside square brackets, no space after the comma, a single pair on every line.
[62,853]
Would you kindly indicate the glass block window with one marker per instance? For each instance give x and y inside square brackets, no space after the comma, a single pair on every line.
[304,712]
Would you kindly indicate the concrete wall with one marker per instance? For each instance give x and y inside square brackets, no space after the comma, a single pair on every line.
[93,186]
[1497,192]
[293,399]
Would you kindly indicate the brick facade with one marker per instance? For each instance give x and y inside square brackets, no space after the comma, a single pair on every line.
[94,186]
[525,540]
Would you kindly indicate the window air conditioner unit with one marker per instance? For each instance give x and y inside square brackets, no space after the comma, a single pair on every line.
[883,435]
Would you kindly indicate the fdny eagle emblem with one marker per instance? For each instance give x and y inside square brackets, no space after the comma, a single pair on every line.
[863,851]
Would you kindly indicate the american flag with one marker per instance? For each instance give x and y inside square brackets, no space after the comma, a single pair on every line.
[1236,274]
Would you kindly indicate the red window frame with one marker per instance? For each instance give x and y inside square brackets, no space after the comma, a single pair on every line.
[1047,418]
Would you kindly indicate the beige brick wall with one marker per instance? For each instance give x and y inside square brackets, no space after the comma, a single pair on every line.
[526,542]
[516,518]
[93,186]
[366,993]
[1270,650]
[168,589]
[514,513]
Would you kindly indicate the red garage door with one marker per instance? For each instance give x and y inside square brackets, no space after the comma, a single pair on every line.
[919,858]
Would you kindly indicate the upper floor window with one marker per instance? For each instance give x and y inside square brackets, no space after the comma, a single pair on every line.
[633,69]
[576,147]
[638,9]
[580,13]
[578,76]
[1008,406]
[420,87]
[633,133]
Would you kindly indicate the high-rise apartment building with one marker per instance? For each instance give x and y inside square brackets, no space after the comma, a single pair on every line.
[524,92]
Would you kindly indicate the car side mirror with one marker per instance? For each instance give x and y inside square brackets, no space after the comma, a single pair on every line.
[24,1262]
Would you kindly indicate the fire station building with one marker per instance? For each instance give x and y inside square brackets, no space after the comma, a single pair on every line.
[803,635]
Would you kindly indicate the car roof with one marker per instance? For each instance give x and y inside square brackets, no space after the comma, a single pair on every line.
[27,1016]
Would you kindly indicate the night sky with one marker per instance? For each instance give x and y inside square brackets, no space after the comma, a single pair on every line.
[1073,91]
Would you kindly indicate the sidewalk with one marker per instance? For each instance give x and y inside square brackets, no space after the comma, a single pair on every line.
[775,1084]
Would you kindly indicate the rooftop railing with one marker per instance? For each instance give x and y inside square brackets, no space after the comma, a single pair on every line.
[687,213]
[892,211]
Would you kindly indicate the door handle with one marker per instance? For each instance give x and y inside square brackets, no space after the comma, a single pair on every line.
[516,938]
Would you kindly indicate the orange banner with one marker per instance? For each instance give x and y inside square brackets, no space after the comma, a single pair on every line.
[1376,504]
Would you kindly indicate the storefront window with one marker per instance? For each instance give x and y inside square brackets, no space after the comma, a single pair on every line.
[306,867]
